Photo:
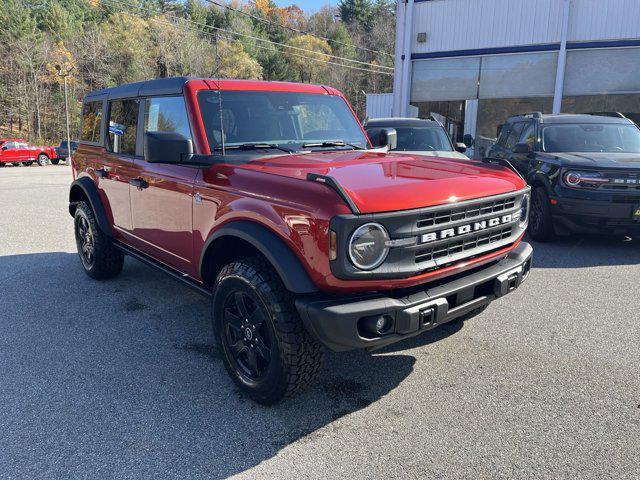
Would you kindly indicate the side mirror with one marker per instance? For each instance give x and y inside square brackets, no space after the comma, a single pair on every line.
[388,137]
[461,147]
[166,147]
[4,148]
[522,148]
[468,140]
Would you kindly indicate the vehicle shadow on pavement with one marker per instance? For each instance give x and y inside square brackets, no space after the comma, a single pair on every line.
[586,251]
[106,379]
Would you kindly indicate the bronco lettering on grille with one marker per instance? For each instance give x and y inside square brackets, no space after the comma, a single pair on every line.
[468,228]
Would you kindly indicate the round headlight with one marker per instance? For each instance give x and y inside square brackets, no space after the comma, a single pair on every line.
[524,209]
[367,246]
[573,179]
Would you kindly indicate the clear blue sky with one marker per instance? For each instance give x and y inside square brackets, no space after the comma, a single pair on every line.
[309,6]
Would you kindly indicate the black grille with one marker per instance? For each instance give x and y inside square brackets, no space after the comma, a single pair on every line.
[469,243]
[455,214]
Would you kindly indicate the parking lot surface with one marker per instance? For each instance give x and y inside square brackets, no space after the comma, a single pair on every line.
[120,379]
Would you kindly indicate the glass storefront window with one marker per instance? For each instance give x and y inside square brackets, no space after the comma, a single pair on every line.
[628,105]
[445,79]
[602,71]
[521,75]
[450,114]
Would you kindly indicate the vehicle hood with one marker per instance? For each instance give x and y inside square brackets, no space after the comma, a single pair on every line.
[382,182]
[595,159]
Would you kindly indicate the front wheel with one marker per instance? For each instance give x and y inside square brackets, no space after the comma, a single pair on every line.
[540,220]
[264,345]
[43,160]
[100,259]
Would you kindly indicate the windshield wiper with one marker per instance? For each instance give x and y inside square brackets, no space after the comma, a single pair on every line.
[332,143]
[255,146]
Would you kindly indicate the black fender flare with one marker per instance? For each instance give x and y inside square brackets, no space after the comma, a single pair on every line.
[90,191]
[275,250]
[538,178]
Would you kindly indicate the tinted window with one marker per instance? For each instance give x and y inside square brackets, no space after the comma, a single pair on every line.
[123,122]
[590,137]
[287,119]
[91,120]
[166,114]
[419,139]
[514,135]
[9,145]
[528,135]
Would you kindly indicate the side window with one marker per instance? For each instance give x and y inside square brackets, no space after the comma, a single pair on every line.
[91,120]
[123,122]
[9,145]
[529,135]
[166,114]
[514,135]
[504,134]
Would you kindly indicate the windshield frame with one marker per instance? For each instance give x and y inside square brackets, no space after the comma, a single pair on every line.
[581,124]
[295,144]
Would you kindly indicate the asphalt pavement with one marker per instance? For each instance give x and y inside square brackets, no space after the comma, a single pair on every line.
[120,379]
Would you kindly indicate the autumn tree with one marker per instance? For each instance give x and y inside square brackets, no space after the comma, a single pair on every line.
[308,57]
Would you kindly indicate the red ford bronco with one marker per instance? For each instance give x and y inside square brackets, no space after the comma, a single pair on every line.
[270,199]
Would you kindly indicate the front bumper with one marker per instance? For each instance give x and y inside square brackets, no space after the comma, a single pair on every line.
[339,323]
[611,214]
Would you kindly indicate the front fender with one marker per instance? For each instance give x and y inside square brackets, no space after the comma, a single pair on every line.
[285,262]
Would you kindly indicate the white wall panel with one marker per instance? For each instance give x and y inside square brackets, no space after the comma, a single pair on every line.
[379,105]
[473,24]
[604,20]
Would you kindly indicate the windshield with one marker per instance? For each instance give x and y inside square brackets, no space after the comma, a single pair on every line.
[591,137]
[286,119]
[419,139]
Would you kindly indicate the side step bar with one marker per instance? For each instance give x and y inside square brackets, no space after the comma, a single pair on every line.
[183,278]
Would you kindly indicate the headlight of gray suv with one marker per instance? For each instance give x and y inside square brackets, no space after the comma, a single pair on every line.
[368,246]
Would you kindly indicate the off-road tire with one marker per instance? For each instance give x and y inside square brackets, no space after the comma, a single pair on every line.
[43,160]
[540,221]
[107,261]
[55,161]
[296,357]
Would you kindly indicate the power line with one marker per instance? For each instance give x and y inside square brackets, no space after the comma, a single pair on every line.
[372,67]
[288,27]
[227,37]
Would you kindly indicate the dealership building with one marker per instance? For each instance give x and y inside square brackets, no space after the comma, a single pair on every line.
[473,63]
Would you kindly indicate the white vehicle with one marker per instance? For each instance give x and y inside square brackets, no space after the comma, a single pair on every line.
[417,137]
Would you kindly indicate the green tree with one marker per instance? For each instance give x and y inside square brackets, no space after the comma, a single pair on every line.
[311,63]
[357,12]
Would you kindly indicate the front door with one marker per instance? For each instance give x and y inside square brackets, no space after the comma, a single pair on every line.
[162,194]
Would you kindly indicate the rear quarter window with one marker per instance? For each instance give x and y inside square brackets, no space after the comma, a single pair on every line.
[91,122]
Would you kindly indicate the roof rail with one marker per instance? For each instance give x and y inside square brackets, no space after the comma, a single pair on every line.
[608,114]
[532,114]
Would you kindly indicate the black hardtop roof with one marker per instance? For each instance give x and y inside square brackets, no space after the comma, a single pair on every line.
[158,86]
[401,122]
[567,118]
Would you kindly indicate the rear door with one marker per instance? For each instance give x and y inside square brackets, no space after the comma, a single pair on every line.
[161,200]
[115,168]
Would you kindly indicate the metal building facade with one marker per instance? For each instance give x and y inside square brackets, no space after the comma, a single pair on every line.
[476,61]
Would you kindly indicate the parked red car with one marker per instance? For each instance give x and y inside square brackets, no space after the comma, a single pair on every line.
[269,199]
[18,151]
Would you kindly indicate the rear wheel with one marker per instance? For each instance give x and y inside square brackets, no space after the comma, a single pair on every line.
[27,164]
[100,259]
[265,348]
[43,159]
[16,164]
[55,161]
[540,220]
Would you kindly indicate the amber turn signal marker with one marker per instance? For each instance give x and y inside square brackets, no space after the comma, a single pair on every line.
[333,245]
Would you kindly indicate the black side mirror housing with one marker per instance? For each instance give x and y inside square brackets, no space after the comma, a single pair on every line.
[388,137]
[4,148]
[166,147]
[522,148]
[468,140]
[461,147]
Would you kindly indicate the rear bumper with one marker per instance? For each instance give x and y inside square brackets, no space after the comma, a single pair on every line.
[340,323]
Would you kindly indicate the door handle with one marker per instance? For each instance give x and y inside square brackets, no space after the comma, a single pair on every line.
[102,173]
[140,183]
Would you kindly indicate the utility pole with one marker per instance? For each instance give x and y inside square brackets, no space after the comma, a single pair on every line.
[64,73]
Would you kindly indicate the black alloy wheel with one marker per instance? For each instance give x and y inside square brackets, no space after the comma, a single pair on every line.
[540,221]
[248,340]
[85,241]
